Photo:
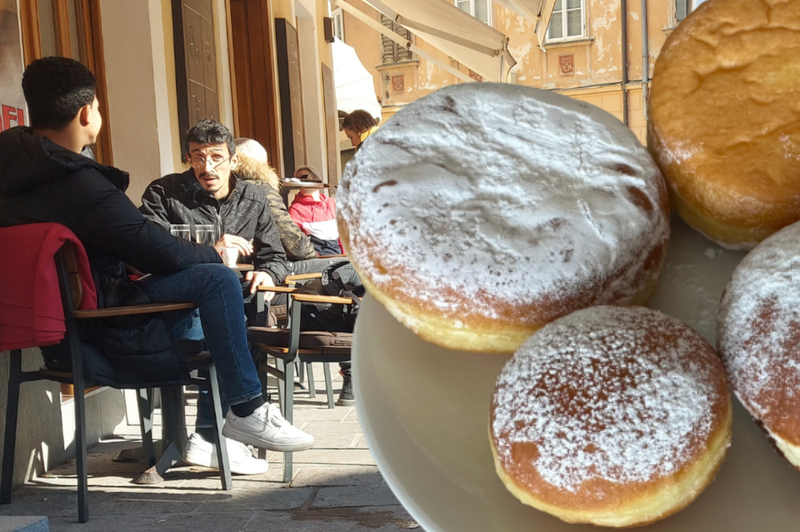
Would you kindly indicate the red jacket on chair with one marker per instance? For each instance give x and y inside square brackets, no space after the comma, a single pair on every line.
[31,313]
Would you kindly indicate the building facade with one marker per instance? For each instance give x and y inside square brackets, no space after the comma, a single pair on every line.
[582,52]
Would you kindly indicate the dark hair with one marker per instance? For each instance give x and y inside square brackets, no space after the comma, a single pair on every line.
[207,132]
[56,88]
[359,121]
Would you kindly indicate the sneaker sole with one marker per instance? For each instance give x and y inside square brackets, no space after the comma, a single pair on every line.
[210,461]
[198,459]
[345,402]
[234,434]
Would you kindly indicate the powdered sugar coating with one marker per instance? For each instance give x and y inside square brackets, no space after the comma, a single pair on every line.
[621,395]
[759,332]
[507,194]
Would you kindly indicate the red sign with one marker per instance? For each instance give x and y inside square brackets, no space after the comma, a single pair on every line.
[12,101]
[11,116]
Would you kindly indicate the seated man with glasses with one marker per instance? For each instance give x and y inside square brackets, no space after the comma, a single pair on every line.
[210,193]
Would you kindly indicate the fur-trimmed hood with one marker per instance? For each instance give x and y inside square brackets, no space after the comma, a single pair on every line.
[251,169]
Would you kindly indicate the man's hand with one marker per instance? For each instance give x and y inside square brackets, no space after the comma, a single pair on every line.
[244,246]
[260,279]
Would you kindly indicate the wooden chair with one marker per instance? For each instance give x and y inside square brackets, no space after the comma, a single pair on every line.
[71,297]
[291,345]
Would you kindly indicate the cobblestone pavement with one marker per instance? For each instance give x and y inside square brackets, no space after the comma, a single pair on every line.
[335,487]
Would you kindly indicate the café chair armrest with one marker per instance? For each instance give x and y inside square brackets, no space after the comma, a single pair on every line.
[291,279]
[131,310]
[317,298]
[277,289]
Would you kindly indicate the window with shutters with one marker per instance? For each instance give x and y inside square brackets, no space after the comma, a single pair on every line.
[480,9]
[392,52]
[568,21]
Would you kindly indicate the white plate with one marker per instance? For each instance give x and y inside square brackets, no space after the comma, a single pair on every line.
[424,411]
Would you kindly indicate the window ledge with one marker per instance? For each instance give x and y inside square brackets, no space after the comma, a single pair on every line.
[571,42]
[398,64]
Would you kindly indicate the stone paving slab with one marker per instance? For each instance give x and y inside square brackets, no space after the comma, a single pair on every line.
[324,414]
[342,440]
[349,496]
[332,476]
[340,456]
[24,524]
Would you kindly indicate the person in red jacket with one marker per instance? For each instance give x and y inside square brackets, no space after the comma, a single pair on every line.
[315,213]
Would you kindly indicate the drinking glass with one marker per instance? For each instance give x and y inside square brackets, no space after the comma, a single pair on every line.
[205,234]
[181,230]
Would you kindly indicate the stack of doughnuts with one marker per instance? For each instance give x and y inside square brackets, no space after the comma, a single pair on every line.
[612,416]
[759,338]
[484,211]
[723,119]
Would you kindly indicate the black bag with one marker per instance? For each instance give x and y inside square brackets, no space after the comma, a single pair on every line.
[123,351]
[338,279]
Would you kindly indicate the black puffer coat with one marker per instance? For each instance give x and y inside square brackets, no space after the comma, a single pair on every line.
[179,199]
[43,182]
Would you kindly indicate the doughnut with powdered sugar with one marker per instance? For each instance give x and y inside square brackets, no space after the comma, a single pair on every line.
[615,416]
[759,338]
[483,211]
[723,119]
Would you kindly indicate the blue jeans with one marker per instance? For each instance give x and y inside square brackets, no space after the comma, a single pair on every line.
[190,328]
[217,292]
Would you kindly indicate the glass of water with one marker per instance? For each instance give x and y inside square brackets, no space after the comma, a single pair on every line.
[205,234]
[181,231]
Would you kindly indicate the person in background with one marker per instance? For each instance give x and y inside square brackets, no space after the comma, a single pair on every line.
[315,213]
[254,168]
[359,125]
[43,178]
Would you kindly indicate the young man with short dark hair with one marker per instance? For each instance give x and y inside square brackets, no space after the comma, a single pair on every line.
[43,178]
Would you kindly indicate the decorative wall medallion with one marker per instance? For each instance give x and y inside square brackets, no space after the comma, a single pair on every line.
[567,64]
[399,83]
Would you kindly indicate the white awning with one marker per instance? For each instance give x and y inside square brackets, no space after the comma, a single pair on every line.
[355,88]
[537,12]
[481,48]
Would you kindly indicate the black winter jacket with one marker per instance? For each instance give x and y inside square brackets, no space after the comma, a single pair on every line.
[179,199]
[41,181]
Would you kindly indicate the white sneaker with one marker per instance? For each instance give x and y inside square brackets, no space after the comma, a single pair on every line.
[202,453]
[267,428]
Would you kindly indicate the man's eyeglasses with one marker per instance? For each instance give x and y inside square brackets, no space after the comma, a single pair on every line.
[216,161]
